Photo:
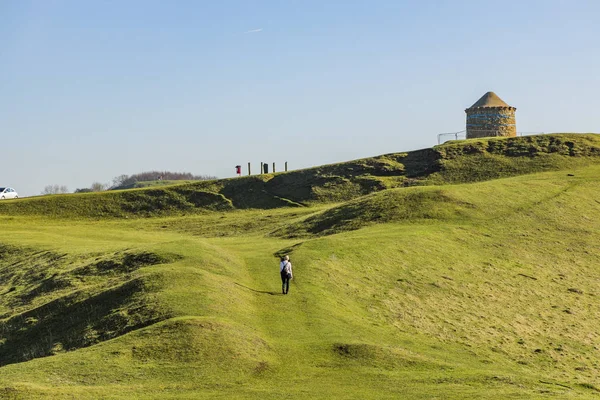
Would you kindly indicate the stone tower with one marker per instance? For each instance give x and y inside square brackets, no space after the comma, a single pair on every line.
[490,116]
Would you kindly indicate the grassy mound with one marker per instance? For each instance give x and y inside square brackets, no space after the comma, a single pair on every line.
[388,206]
[51,302]
[454,162]
[118,204]
[435,204]
[484,159]
[219,345]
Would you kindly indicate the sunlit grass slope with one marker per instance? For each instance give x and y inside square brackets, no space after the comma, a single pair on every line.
[453,162]
[467,291]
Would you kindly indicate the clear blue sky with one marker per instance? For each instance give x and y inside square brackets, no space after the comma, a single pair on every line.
[94,89]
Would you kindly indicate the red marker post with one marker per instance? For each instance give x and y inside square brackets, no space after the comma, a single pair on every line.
[238,170]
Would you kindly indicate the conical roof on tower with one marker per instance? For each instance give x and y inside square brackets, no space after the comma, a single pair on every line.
[488,100]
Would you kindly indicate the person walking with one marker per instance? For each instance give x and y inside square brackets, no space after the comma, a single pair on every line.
[285,270]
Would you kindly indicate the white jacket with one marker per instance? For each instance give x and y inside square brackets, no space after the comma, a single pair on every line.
[282,265]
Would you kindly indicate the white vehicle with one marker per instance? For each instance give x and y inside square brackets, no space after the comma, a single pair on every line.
[8,193]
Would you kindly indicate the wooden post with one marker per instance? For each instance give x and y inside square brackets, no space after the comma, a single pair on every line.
[249,173]
[286,166]
[261,168]
[273,167]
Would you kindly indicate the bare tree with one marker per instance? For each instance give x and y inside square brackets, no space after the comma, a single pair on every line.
[55,189]
[98,187]
[119,180]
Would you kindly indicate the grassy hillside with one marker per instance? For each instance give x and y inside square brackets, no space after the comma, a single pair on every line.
[454,162]
[119,204]
[478,290]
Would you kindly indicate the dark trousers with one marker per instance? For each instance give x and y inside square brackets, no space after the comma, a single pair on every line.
[285,282]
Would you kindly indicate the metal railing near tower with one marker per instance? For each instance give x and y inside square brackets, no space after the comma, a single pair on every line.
[457,135]
[463,135]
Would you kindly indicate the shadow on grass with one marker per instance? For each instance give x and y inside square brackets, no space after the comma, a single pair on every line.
[77,320]
[260,291]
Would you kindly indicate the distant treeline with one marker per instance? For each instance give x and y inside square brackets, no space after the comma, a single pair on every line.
[128,180]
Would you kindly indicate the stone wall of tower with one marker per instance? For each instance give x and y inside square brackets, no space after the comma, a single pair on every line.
[491,121]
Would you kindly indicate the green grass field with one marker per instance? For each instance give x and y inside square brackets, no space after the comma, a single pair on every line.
[476,277]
